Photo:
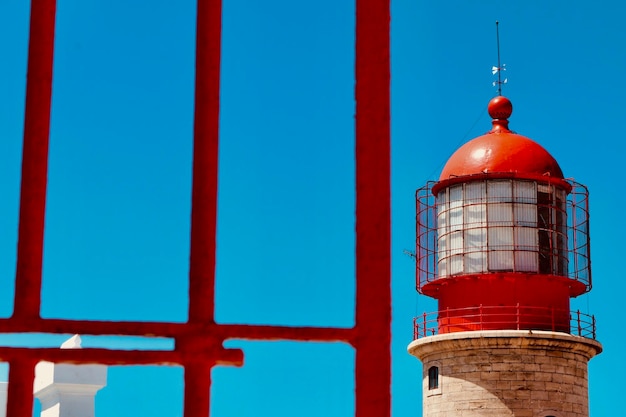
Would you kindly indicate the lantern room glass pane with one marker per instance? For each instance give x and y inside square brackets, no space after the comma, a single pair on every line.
[500,238]
[475,216]
[501,260]
[475,250]
[442,222]
[456,195]
[456,218]
[456,242]
[475,262]
[525,192]
[456,250]
[456,207]
[500,248]
[443,246]
[526,261]
[499,191]
[475,192]
[525,215]
[525,238]
[456,264]
[500,214]
[526,256]
[475,239]
[443,267]
[442,199]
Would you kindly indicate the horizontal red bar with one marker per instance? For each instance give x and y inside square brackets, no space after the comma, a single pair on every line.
[173,330]
[219,356]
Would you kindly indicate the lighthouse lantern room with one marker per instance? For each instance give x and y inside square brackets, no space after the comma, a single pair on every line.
[503,244]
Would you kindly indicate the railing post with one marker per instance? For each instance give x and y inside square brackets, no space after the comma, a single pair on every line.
[424,325]
[579,326]
[517,315]
[480,316]
[593,327]
[570,322]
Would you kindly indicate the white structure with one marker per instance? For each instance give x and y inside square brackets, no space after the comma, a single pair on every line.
[3,398]
[64,390]
[68,390]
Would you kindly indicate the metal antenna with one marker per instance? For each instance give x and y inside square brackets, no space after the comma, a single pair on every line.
[500,67]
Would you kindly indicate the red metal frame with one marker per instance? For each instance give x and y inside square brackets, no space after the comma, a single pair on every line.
[199,341]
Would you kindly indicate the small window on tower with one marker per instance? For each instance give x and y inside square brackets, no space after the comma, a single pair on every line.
[433,377]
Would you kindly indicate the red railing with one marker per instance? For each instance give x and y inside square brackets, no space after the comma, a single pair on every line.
[504,318]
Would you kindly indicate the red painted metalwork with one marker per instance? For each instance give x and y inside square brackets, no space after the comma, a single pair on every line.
[500,154]
[373,217]
[199,341]
[502,228]
[35,160]
[27,300]
[20,393]
[513,317]
[204,210]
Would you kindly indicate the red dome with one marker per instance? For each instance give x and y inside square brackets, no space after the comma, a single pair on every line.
[501,152]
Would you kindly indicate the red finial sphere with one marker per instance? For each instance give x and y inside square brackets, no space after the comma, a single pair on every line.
[500,107]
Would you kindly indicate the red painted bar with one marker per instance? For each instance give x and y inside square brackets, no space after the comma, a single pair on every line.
[214,354]
[373,217]
[91,355]
[20,394]
[303,334]
[197,389]
[205,153]
[204,199]
[35,160]
[172,330]
[86,327]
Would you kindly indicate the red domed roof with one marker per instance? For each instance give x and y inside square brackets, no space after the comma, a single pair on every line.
[501,151]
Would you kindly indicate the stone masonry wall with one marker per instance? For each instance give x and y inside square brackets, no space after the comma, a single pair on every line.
[506,373]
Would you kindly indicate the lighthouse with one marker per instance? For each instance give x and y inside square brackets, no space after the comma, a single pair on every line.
[503,245]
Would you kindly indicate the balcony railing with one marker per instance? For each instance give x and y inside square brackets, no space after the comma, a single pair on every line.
[504,318]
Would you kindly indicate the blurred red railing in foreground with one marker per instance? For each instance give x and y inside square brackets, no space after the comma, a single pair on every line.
[503,318]
[199,341]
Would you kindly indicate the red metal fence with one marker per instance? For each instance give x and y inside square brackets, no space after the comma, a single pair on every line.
[503,318]
[199,341]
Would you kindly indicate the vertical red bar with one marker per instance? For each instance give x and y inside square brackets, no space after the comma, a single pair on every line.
[197,389]
[204,191]
[373,218]
[204,197]
[35,160]
[20,394]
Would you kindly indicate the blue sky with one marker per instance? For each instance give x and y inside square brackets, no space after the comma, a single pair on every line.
[120,172]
